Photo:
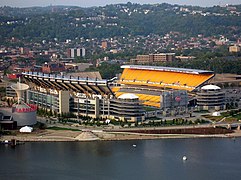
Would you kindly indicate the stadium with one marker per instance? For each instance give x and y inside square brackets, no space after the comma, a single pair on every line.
[169,90]
[139,93]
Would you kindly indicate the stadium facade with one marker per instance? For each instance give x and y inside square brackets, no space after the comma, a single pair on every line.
[166,90]
[211,97]
[22,113]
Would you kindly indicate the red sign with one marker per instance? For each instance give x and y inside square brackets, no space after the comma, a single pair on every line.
[178,98]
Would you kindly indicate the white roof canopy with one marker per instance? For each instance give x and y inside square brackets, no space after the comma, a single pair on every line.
[210,87]
[128,96]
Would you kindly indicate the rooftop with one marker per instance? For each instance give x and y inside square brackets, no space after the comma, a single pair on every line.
[210,87]
[62,77]
[170,69]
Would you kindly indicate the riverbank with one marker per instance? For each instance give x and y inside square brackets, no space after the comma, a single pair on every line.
[99,135]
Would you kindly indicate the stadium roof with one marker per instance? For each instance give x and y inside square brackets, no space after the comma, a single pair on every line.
[69,83]
[169,69]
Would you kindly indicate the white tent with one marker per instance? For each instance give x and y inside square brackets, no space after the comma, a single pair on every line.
[107,121]
[216,114]
[26,129]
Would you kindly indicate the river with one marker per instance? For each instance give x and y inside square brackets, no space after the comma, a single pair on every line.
[207,159]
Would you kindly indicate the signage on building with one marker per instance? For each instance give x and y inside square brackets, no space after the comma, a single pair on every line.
[178,98]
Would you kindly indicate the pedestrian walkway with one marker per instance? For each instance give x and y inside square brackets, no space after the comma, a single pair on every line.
[87,136]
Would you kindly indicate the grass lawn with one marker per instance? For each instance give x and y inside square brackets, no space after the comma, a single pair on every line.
[213,118]
[61,128]
[238,116]
[147,108]
[231,120]
[229,116]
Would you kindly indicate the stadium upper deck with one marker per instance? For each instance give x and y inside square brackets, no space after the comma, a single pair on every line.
[68,83]
[164,77]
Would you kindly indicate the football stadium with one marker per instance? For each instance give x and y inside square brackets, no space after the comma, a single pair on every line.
[164,77]
[168,89]
[139,93]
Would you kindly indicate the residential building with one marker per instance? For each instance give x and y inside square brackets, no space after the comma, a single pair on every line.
[104,44]
[53,67]
[153,58]
[76,52]
[234,49]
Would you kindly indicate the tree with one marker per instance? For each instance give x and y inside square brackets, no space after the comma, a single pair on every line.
[122,124]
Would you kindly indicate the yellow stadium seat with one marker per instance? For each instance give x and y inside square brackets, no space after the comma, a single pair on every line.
[163,79]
